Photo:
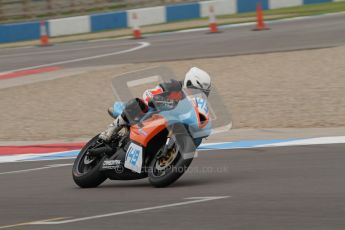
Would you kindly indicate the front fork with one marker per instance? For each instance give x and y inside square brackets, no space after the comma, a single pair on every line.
[168,145]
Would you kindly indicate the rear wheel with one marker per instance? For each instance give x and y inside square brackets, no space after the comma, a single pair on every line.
[85,170]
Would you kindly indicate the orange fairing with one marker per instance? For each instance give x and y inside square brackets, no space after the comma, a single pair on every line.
[151,127]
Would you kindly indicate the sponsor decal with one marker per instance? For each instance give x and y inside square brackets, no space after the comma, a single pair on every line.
[111,164]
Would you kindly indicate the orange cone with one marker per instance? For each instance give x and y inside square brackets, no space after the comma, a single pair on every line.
[212,20]
[136,28]
[260,24]
[43,34]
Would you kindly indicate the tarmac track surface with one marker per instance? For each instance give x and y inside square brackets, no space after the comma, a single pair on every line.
[309,33]
[269,188]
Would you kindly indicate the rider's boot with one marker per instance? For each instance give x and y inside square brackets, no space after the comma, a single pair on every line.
[114,127]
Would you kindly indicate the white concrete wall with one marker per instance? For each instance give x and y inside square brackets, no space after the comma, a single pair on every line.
[274,4]
[221,7]
[147,16]
[67,26]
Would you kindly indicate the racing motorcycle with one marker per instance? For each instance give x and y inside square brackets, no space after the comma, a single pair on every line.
[160,145]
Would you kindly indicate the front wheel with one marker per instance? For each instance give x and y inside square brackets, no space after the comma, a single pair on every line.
[85,170]
[165,171]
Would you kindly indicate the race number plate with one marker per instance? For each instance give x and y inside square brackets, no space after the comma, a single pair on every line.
[202,105]
[134,158]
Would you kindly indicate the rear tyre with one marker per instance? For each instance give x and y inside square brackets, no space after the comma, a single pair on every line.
[85,170]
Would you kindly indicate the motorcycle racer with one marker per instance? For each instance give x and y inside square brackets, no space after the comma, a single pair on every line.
[195,78]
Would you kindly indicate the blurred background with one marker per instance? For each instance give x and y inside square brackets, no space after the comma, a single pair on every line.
[278,65]
[11,10]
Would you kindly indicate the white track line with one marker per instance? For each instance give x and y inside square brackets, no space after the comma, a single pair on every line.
[64,50]
[35,169]
[141,46]
[310,141]
[204,147]
[193,201]
[28,156]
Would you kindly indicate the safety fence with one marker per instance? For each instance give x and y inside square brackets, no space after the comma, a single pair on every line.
[146,16]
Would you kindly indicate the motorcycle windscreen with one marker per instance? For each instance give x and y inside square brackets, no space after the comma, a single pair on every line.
[200,114]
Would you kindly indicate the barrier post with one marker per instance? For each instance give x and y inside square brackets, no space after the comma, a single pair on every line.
[49,6]
[1,16]
[27,8]
[72,6]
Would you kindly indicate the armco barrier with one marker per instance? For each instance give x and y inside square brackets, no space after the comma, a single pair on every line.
[108,21]
[274,4]
[19,32]
[182,12]
[221,7]
[315,1]
[68,26]
[250,5]
[146,16]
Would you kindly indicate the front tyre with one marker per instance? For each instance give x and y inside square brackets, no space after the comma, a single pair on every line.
[165,171]
[85,170]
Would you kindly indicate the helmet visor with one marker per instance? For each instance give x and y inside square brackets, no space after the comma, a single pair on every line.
[205,91]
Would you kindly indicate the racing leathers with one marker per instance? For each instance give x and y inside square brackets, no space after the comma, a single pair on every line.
[137,107]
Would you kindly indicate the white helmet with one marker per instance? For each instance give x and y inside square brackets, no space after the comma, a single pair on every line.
[199,79]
